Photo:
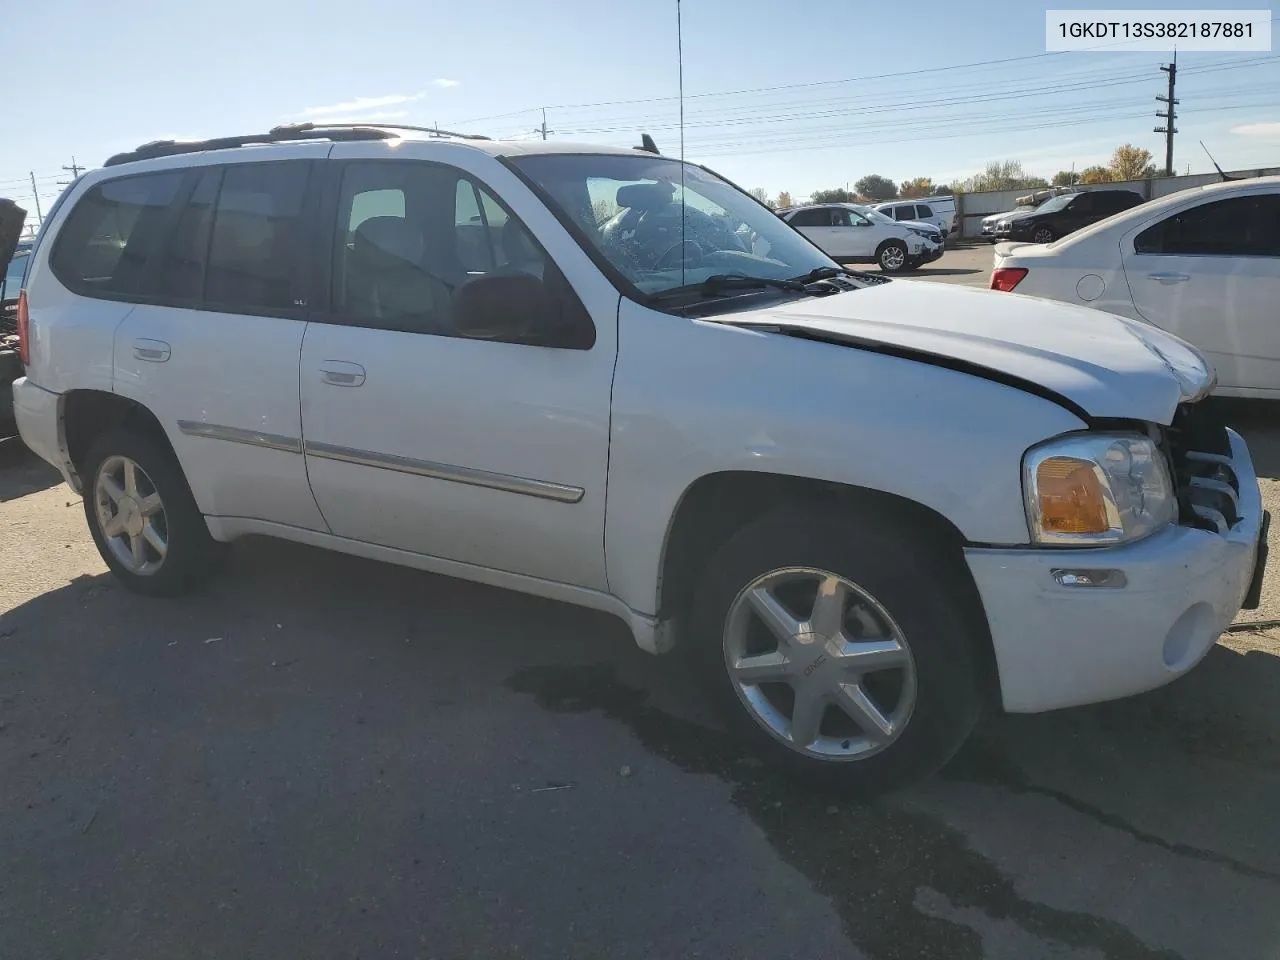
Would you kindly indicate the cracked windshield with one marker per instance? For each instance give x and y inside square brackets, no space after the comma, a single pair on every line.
[618,484]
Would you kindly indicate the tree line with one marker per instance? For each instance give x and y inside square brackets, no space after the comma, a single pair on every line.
[1127,163]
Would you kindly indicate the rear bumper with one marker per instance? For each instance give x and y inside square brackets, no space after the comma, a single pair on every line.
[1059,646]
[39,415]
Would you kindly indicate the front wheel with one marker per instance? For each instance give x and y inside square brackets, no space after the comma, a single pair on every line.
[143,518]
[892,256]
[1042,235]
[840,647]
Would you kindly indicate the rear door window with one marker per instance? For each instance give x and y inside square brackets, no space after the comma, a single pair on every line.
[256,237]
[1237,226]
[923,211]
[811,218]
[113,233]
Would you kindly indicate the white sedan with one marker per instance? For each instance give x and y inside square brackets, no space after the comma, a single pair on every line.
[1203,264]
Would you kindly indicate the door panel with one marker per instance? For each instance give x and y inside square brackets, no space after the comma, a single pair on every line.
[230,409]
[218,362]
[486,452]
[1210,273]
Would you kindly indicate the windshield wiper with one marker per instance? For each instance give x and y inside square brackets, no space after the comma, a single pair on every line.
[719,283]
[820,273]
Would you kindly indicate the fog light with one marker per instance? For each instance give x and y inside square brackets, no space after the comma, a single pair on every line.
[1090,578]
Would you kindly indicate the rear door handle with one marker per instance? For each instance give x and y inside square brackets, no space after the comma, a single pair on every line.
[340,373]
[154,351]
[1167,278]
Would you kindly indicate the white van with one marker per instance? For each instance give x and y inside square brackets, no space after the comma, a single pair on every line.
[940,211]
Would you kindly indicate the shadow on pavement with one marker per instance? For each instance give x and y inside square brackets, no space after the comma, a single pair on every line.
[930,271]
[22,472]
[321,754]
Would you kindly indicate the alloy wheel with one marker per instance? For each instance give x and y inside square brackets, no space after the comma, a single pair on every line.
[131,515]
[819,663]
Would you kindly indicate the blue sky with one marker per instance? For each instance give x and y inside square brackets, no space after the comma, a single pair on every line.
[833,93]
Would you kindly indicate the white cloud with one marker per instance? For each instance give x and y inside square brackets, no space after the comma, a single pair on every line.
[445,84]
[361,104]
[1269,130]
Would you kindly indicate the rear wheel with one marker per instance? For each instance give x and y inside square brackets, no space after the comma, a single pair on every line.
[1043,235]
[841,648]
[143,518]
[892,256]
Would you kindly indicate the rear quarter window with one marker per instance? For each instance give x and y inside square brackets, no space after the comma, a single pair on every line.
[112,233]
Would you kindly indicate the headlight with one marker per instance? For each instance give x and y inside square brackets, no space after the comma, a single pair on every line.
[1096,488]
[927,234]
[1002,225]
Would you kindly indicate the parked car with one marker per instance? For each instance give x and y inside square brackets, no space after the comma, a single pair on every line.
[939,211]
[848,235]
[1063,214]
[1201,263]
[861,505]
[934,242]
[13,260]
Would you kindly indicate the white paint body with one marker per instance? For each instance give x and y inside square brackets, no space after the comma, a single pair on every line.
[1226,306]
[658,403]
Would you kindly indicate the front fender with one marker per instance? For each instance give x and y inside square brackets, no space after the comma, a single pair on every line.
[693,398]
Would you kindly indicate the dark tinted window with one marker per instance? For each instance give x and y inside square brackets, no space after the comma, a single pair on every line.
[107,240]
[839,217]
[811,218]
[904,213]
[1238,226]
[256,237]
[180,276]
[1123,200]
[412,235]
[1083,203]
[923,211]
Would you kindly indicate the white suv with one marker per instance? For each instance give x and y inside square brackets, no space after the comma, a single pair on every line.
[863,506]
[848,234]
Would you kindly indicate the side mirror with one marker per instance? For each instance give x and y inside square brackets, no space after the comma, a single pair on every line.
[513,307]
[520,308]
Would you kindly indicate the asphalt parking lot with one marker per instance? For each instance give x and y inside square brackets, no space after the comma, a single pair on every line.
[327,757]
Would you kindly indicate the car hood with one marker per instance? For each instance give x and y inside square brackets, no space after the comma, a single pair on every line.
[1096,363]
[920,224]
[997,217]
[1020,215]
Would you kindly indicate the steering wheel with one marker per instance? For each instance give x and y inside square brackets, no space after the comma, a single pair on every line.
[698,254]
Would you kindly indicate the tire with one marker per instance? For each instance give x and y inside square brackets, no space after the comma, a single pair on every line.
[191,555]
[895,253]
[1043,235]
[913,587]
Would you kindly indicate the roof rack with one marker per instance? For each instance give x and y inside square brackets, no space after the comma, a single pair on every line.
[284,133]
[434,131]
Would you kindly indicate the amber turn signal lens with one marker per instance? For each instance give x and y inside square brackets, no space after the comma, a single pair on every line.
[1072,496]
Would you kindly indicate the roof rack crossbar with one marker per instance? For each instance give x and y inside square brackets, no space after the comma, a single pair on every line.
[356,125]
[171,148]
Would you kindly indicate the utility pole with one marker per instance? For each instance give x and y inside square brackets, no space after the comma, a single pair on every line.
[1169,115]
[74,170]
[543,129]
[36,194]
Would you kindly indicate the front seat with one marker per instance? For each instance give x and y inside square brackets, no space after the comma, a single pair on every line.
[387,281]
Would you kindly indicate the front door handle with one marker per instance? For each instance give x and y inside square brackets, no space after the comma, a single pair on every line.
[154,351]
[1167,278]
[340,373]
